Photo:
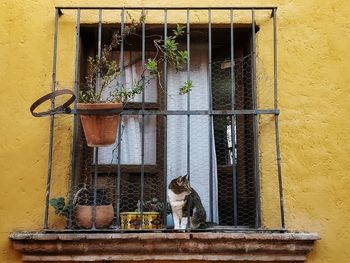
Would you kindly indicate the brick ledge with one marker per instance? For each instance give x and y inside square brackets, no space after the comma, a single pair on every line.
[204,246]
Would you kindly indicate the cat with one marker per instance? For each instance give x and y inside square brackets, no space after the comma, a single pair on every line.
[181,195]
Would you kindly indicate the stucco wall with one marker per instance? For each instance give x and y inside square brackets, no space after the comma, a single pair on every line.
[313,58]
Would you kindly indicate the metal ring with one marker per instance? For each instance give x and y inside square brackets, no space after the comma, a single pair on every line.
[52,96]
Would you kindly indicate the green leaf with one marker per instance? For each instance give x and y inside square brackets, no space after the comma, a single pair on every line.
[183,54]
[59,205]
[179,31]
[187,87]
[170,45]
[152,66]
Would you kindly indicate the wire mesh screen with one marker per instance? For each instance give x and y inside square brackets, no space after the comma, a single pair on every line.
[214,135]
[117,183]
[237,129]
[104,189]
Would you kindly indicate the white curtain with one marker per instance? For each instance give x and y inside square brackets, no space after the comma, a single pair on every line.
[176,129]
[199,130]
[131,124]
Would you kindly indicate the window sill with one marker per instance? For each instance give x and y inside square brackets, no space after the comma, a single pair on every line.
[201,246]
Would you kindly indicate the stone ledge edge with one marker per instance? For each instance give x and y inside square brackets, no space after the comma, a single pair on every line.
[207,246]
[16,236]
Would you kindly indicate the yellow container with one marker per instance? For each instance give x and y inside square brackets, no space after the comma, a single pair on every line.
[132,220]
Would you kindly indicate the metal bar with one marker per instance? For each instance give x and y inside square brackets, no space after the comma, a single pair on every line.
[169,8]
[99,48]
[200,112]
[188,115]
[197,112]
[143,124]
[165,76]
[233,124]
[94,188]
[255,128]
[220,229]
[118,179]
[75,122]
[212,229]
[52,125]
[98,86]
[275,99]
[278,152]
[210,104]
[121,59]
[279,170]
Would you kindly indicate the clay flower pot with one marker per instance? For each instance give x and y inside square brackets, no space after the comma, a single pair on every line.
[83,215]
[100,122]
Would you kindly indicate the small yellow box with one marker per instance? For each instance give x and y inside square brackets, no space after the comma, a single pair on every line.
[132,220]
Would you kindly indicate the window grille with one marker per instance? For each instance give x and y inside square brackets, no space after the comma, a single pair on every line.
[212,134]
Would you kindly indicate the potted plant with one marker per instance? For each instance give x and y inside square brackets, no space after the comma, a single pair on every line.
[100,115]
[152,216]
[83,206]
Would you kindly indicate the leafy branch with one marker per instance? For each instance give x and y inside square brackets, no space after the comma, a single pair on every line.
[60,206]
[187,87]
[104,70]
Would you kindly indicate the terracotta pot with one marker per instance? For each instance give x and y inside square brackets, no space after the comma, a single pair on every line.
[83,215]
[99,129]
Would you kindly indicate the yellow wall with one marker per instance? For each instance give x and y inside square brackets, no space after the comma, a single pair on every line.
[314,74]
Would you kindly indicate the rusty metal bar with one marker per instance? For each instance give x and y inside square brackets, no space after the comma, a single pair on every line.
[233,122]
[196,112]
[278,151]
[52,124]
[255,129]
[98,86]
[118,179]
[165,76]
[188,48]
[169,8]
[210,104]
[121,58]
[75,122]
[143,123]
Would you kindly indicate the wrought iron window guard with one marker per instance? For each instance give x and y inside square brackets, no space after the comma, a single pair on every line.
[211,112]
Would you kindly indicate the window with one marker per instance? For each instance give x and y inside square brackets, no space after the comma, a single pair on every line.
[166,141]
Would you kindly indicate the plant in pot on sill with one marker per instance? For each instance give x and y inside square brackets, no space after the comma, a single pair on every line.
[99,113]
[152,215]
[83,206]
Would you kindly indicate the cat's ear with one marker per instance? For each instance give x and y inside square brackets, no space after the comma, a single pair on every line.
[185,177]
[179,180]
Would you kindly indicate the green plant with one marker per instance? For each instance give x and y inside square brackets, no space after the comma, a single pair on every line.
[168,48]
[60,206]
[187,87]
[153,205]
[103,70]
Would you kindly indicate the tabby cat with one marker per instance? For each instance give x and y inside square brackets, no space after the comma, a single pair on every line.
[183,198]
